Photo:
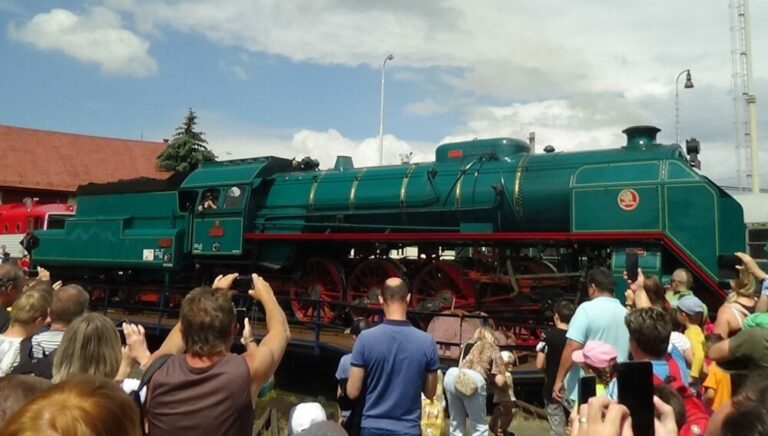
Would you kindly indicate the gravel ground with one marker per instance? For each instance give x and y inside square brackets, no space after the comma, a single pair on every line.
[523,424]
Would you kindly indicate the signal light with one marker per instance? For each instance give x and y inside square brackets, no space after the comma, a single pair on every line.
[165,243]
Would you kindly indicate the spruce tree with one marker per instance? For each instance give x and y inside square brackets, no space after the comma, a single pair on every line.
[187,149]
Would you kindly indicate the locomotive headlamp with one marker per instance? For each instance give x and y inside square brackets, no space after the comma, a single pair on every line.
[693,148]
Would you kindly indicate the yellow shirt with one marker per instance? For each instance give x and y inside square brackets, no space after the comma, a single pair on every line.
[719,381]
[696,336]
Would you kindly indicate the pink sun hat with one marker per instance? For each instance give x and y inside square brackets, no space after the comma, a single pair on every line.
[597,354]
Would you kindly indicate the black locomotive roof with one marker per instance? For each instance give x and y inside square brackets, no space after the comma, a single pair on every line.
[139,184]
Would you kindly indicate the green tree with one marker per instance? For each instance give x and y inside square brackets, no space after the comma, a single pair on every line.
[187,149]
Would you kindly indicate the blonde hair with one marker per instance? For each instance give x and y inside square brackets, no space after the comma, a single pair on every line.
[29,307]
[744,286]
[91,345]
[484,334]
[81,406]
[684,277]
[603,375]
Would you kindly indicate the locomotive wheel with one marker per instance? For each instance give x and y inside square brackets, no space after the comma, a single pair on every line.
[438,284]
[320,280]
[367,281]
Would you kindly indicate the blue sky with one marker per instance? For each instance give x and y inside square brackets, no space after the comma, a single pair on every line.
[295,78]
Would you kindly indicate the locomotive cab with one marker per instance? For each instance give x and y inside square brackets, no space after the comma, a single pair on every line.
[218,220]
[223,192]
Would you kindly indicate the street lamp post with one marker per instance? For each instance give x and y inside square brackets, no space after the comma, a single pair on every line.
[688,85]
[381,112]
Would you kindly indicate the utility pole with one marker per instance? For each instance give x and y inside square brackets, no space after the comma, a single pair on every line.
[381,111]
[745,100]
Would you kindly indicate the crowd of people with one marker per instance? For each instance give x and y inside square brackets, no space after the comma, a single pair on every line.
[63,368]
[708,372]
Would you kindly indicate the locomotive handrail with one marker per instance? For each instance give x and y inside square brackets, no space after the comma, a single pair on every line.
[374,212]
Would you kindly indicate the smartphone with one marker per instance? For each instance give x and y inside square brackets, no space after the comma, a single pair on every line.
[635,382]
[240,313]
[242,284]
[630,264]
[587,388]
[726,266]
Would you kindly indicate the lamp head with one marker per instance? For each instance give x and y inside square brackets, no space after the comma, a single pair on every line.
[688,82]
[391,57]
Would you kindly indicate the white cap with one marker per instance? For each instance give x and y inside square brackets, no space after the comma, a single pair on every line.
[507,357]
[304,415]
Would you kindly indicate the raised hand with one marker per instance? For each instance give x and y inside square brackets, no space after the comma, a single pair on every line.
[224,281]
[261,289]
[750,265]
[136,342]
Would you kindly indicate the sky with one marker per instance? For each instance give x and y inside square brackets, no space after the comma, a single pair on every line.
[295,78]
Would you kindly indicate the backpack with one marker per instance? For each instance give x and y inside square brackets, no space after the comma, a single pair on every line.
[145,379]
[30,365]
[696,414]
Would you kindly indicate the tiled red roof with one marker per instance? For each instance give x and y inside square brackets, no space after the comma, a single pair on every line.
[40,159]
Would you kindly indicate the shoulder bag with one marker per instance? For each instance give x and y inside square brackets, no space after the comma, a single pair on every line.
[464,382]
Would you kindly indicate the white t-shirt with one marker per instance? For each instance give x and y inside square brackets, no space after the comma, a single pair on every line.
[677,339]
[9,354]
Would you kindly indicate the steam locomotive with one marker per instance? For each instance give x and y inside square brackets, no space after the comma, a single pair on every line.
[487,226]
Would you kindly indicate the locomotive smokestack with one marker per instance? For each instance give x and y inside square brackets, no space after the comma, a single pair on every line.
[640,136]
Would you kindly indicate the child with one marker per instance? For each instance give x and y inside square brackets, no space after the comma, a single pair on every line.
[599,358]
[717,385]
[548,355]
[504,399]
[690,313]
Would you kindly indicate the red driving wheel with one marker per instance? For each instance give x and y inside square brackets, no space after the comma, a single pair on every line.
[366,282]
[438,284]
[319,280]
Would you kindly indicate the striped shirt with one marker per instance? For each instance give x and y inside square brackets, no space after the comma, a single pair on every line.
[45,342]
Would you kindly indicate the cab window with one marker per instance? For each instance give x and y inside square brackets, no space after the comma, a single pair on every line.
[187,201]
[209,200]
[234,197]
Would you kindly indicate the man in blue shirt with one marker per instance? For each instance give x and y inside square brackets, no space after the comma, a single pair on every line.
[600,319]
[398,362]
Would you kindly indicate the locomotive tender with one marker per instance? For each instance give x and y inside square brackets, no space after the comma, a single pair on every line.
[491,226]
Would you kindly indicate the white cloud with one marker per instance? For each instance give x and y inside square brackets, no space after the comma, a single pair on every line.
[230,139]
[503,48]
[96,37]
[562,123]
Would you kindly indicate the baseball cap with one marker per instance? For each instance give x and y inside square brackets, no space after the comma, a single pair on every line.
[690,304]
[304,415]
[507,356]
[595,353]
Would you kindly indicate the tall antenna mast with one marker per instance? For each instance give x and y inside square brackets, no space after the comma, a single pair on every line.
[745,102]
